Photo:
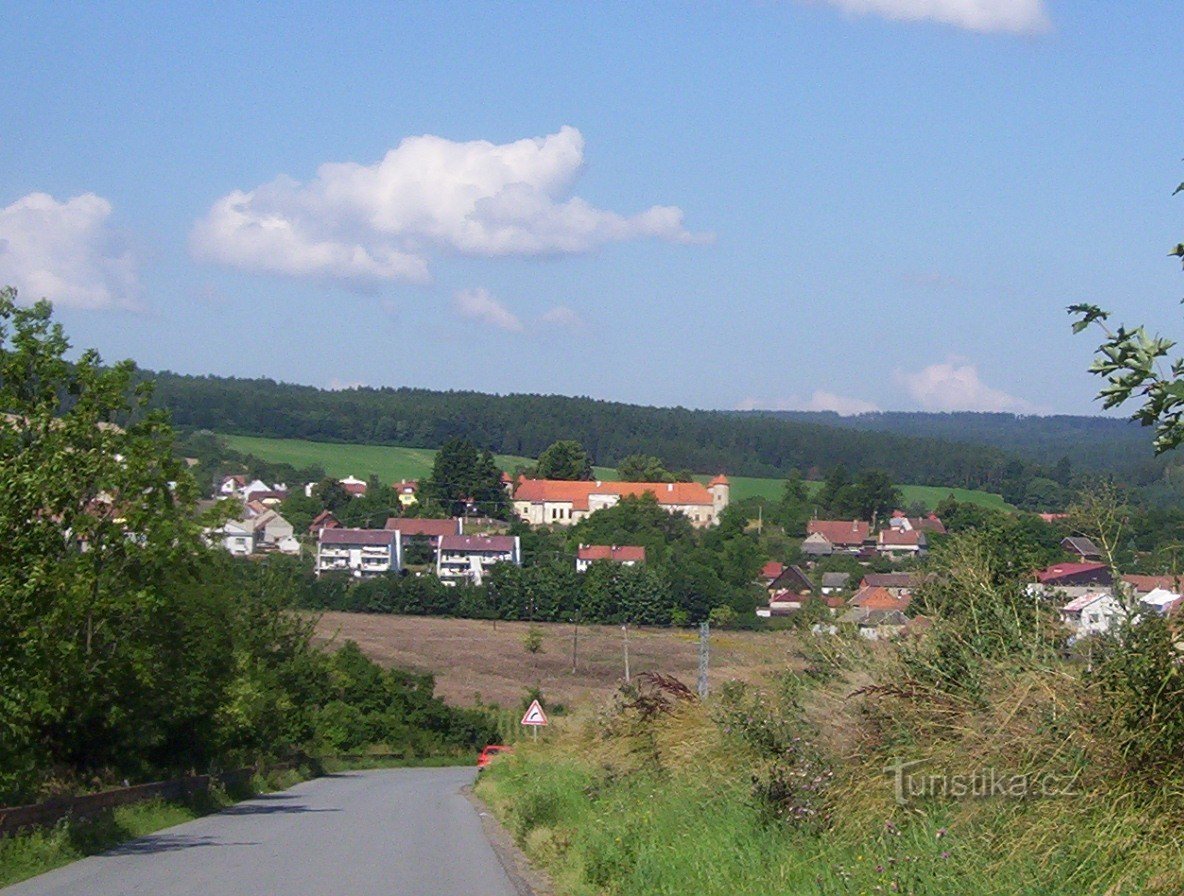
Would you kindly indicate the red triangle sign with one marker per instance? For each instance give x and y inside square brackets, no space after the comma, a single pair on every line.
[534,715]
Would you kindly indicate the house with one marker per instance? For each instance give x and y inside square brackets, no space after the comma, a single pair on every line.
[898,583]
[1141,585]
[1081,547]
[360,552]
[428,530]
[875,624]
[355,488]
[547,502]
[323,520]
[1061,575]
[1092,614]
[874,597]
[273,532]
[896,543]
[1160,602]
[769,572]
[626,555]
[231,486]
[407,491]
[793,580]
[237,537]
[930,524]
[461,558]
[834,582]
[825,537]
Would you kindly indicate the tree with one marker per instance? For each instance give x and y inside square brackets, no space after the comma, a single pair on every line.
[565,459]
[1132,363]
[643,468]
[462,475]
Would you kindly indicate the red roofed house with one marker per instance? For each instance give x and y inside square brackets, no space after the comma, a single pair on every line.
[555,502]
[824,537]
[469,557]
[323,520]
[431,530]
[1075,574]
[769,573]
[626,555]
[360,552]
[895,542]
[877,598]
[407,491]
[1142,585]
[355,488]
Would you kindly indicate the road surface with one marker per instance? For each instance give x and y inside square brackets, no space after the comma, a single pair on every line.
[394,832]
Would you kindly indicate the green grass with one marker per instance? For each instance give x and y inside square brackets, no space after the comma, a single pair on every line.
[392,464]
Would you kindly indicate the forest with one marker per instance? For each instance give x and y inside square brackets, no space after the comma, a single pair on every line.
[747,444]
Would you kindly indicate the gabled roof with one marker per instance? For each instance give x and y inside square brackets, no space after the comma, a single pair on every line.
[891,580]
[896,538]
[1094,572]
[559,491]
[792,579]
[1080,545]
[1080,603]
[358,536]
[1150,583]
[324,520]
[406,486]
[876,598]
[840,532]
[478,543]
[836,579]
[624,553]
[424,527]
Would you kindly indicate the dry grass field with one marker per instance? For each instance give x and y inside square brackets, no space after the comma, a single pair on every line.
[472,658]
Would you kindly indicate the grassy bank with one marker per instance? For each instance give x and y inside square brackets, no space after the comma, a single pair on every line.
[785,792]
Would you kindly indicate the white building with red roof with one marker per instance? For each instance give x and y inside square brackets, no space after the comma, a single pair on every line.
[556,502]
[625,554]
[359,552]
[468,558]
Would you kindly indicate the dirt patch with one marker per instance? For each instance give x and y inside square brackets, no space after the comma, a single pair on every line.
[475,659]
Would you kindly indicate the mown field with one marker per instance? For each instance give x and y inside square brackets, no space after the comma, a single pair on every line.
[392,464]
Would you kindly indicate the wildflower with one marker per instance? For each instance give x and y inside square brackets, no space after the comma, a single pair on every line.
[941,832]
[945,854]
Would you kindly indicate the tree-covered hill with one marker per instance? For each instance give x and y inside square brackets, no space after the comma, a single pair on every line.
[751,445]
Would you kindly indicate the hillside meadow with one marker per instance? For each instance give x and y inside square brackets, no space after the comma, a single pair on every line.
[393,464]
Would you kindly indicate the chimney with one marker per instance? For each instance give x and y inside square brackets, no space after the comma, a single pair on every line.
[669,486]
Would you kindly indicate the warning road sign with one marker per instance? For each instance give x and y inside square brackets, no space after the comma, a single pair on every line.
[535,715]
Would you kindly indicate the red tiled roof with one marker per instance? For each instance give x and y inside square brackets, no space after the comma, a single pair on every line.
[1060,570]
[423,527]
[499,543]
[721,479]
[772,570]
[1150,583]
[354,488]
[561,491]
[357,536]
[324,520]
[896,538]
[408,486]
[620,553]
[840,532]
[876,598]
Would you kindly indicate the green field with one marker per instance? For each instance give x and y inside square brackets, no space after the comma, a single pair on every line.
[393,464]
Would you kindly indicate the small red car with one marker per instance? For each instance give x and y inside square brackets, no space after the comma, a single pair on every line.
[489,752]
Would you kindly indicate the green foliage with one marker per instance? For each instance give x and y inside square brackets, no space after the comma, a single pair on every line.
[462,477]
[532,641]
[647,468]
[565,459]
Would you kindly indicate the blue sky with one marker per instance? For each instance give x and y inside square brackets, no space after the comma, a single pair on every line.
[846,204]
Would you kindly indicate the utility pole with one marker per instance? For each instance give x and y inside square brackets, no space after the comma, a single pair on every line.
[575,640]
[625,629]
[704,657]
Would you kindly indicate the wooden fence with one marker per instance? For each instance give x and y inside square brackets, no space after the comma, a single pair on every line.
[50,812]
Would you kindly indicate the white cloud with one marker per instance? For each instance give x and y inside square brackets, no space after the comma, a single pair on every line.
[1015,16]
[381,222]
[562,316]
[478,304]
[66,252]
[955,386]
[821,400]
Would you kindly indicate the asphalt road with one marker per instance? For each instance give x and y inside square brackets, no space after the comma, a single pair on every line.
[394,832]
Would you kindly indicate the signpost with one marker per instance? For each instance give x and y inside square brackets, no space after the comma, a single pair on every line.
[535,718]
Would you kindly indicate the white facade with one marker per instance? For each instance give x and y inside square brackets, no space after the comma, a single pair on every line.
[468,558]
[359,552]
[1092,614]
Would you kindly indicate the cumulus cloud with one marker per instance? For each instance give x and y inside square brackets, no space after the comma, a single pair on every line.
[66,252]
[382,222]
[562,316]
[478,304]
[1014,16]
[820,400]
[956,386]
